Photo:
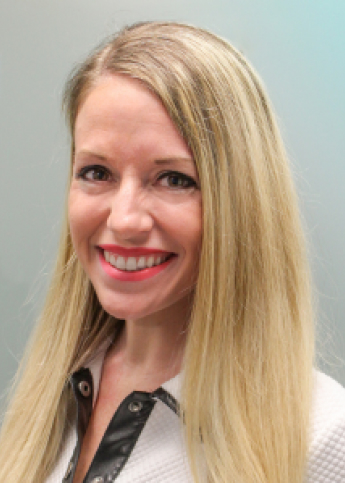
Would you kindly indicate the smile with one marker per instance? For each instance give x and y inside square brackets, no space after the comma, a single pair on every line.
[133,264]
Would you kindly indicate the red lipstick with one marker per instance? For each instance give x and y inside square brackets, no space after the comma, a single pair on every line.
[133,275]
[132,252]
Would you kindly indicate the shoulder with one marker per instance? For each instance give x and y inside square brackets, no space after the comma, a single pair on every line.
[328,410]
[327,448]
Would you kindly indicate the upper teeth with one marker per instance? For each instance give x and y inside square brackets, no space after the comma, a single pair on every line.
[133,263]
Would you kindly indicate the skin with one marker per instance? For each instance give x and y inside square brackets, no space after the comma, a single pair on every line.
[144,193]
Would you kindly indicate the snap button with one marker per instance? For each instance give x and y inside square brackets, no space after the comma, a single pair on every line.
[84,388]
[98,479]
[115,471]
[69,470]
[135,406]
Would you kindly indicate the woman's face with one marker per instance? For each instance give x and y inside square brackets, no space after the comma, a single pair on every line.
[135,202]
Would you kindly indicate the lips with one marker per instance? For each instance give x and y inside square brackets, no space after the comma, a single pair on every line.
[133,264]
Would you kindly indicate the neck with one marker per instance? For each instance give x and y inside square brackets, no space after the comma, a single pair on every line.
[151,348]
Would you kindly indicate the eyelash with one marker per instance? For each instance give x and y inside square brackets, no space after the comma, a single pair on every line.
[187,181]
[82,174]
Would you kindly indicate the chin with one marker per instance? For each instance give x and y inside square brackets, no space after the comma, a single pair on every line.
[123,312]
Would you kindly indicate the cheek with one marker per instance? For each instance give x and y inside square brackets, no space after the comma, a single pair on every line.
[192,224]
[75,217]
[196,239]
[83,218]
[189,229]
[191,232]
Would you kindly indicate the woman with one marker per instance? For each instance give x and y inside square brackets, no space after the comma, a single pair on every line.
[181,286]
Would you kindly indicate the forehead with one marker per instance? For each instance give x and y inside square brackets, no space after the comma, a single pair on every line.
[119,95]
[123,110]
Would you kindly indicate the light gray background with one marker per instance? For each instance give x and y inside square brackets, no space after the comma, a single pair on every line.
[297,46]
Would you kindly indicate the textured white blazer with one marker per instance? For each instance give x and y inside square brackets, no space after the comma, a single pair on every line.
[158,454]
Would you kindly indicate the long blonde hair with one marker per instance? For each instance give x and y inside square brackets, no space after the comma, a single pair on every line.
[248,362]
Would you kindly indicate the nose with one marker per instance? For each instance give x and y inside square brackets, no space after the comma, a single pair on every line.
[129,215]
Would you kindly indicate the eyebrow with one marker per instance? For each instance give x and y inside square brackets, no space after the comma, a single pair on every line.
[90,153]
[173,160]
[159,162]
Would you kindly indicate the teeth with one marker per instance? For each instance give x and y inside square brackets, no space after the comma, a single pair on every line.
[132,264]
[141,263]
[120,263]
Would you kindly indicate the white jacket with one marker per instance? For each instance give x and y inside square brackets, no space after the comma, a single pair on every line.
[157,454]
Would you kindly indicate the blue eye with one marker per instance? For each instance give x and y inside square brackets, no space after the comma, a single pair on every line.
[177,180]
[93,173]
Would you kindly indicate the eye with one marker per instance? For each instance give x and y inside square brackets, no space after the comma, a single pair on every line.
[93,173]
[174,179]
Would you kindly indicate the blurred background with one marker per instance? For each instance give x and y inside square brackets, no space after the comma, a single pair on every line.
[297,47]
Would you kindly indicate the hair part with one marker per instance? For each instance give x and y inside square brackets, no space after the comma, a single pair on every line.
[252,300]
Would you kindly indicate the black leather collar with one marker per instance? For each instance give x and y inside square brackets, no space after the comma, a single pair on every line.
[122,433]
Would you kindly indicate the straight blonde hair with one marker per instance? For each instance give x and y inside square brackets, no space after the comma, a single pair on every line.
[248,362]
